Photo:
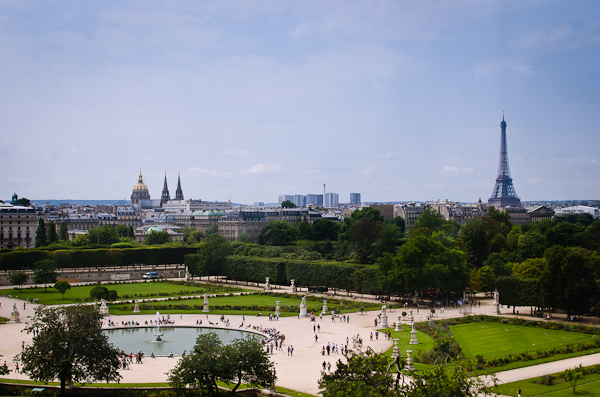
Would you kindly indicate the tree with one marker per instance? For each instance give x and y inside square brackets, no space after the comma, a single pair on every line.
[52,236]
[244,238]
[63,232]
[212,256]
[192,235]
[45,272]
[122,230]
[155,237]
[277,233]
[377,375]
[103,235]
[211,362]
[568,280]
[40,234]
[573,375]
[288,204]
[530,268]
[370,374]
[18,278]
[459,380]
[400,222]
[532,244]
[425,262]
[69,345]
[24,202]
[62,287]
[212,230]
[435,222]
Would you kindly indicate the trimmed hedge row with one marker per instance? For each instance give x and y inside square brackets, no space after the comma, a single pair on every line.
[25,259]
[339,275]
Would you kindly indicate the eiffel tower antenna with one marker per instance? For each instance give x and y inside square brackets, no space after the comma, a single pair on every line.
[504,193]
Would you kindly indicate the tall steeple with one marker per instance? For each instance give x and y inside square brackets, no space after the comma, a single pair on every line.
[165,193]
[504,193]
[178,192]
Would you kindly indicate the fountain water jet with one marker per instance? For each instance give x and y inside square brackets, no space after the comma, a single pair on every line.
[158,335]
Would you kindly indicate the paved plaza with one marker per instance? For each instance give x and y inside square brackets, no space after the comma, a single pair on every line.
[301,371]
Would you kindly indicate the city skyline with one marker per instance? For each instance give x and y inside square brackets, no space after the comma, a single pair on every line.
[247,101]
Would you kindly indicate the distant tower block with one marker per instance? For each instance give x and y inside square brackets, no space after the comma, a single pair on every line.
[504,194]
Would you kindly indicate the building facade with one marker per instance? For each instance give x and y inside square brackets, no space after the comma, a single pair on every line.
[17,226]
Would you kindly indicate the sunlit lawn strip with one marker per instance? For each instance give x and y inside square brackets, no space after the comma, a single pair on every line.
[492,340]
[245,304]
[80,293]
[588,386]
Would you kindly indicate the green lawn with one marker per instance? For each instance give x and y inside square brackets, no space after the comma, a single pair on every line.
[80,293]
[497,340]
[425,344]
[588,386]
[237,305]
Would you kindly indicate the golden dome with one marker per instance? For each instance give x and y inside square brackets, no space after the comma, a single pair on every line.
[140,186]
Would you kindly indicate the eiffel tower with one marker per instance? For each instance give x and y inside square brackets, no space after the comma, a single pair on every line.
[504,193]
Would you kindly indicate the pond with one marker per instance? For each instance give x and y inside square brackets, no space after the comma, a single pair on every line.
[175,339]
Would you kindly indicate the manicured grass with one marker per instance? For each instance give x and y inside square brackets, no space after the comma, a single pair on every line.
[80,293]
[588,386]
[523,364]
[493,340]
[425,344]
[243,302]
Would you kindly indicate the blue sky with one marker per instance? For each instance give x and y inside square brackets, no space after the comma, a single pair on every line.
[397,100]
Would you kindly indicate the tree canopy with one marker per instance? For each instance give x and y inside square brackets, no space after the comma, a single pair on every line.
[210,362]
[69,345]
[277,233]
[45,272]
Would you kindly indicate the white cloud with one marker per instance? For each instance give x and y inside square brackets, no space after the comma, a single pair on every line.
[498,65]
[239,153]
[455,171]
[263,169]
[201,173]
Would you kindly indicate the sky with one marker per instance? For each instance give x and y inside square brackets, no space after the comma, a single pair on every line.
[249,100]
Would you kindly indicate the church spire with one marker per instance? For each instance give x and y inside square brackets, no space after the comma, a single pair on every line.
[178,192]
[165,197]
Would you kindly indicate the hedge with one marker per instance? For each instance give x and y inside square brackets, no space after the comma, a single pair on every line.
[25,259]
[306,273]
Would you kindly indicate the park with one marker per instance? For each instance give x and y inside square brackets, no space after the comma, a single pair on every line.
[496,343]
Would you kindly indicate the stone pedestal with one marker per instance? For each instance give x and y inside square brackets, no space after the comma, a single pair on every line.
[325,310]
[409,361]
[398,325]
[413,335]
[383,323]
[496,304]
[293,288]
[267,285]
[205,304]
[396,349]
[136,308]
[277,308]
